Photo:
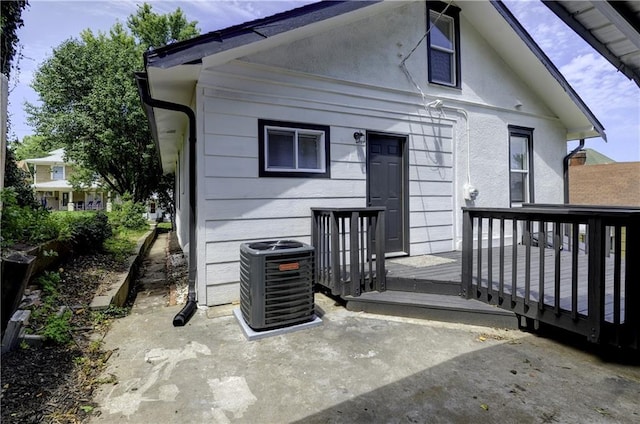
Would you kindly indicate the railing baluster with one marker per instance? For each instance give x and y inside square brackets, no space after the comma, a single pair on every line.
[514,263]
[490,259]
[479,253]
[364,280]
[527,263]
[354,253]
[336,285]
[501,289]
[371,226]
[467,255]
[574,273]
[381,276]
[595,277]
[556,272]
[542,246]
[617,268]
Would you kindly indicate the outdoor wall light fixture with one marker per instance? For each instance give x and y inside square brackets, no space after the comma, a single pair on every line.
[358,137]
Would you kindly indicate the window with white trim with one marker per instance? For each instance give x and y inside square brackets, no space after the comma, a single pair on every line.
[443,44]
[290,149]
[520,165]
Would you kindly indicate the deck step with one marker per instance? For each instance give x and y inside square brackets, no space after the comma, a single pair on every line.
[419,285]
[437,307]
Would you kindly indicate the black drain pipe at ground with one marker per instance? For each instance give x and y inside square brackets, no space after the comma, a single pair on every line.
[565,169]
[143,88]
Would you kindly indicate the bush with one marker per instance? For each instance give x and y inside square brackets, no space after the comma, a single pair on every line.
[24,224]
[129,215]
[86,231]
[58,328]
[91,232]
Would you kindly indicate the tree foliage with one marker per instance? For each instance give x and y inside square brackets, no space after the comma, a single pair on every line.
[16,179]
[90,104]
[10,21]
[153,30]
[33,146]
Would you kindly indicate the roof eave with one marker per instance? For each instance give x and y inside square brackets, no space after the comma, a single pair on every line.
[597,127]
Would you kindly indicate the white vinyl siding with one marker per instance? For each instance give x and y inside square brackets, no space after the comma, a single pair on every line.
[239,206]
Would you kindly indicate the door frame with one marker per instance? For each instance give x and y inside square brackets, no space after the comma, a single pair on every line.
[404,140]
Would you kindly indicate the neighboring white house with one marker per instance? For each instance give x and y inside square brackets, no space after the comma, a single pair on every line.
[423,107]
[54,191]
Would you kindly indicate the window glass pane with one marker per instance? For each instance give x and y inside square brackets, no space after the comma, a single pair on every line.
[441,31]
[309,151]
[518,187]
[56,173]
[441,66]
[519,154]
[280,149]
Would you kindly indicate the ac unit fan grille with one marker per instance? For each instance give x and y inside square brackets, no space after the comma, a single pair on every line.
[283,288]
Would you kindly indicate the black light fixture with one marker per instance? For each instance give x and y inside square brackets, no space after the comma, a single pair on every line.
[358,137]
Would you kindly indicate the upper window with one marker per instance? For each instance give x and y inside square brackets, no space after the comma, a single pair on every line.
[520,165]
[290,149]
[57,173]
[443,43]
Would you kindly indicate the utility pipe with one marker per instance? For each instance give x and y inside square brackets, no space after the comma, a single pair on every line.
[143,88]
[565,169]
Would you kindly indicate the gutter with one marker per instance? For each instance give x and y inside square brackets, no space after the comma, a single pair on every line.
[142,81]
[565,169]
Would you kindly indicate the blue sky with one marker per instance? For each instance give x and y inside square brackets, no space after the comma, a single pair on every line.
[613,98]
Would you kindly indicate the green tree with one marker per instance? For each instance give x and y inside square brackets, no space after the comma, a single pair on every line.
[153,30]
[90,104]
[33,146]
[18,179]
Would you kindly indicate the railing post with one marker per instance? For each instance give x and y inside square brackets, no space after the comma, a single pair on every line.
[596,271]
[381,273]
[336,278]
[467,254]
[354,253]
[315,244]
[632,283]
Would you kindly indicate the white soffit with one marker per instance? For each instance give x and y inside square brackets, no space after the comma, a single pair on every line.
[175,85]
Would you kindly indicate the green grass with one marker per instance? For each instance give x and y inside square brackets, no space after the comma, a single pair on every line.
[164,226]
[123,242]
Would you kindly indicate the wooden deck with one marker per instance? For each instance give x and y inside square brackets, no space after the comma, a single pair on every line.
[445,278]
[429,287]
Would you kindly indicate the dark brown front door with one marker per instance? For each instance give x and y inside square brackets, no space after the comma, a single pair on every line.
[386,185]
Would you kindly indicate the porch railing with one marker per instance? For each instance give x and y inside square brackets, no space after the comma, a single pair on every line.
[349,244]
[562,265]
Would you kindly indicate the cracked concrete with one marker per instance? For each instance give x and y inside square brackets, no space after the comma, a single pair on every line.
[354,368]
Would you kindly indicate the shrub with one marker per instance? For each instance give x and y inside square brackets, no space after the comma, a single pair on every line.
[86,231]
[129,215]
[24,224]
[91,232]
[58,328]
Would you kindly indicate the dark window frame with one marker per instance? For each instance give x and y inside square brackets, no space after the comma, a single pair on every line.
[263,172]
[527,133]
[454,13]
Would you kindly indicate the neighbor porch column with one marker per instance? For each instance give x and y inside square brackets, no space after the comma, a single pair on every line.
[70,205]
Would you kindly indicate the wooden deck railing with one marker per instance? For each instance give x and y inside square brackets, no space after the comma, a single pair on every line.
[350,248]
[537,262]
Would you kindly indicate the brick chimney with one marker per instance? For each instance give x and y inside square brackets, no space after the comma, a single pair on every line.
[578,159]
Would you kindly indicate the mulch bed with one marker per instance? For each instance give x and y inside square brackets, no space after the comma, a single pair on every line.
[54,383]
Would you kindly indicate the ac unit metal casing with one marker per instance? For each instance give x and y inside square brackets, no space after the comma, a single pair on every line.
[276,283]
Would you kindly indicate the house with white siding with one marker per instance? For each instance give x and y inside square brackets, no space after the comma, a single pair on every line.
[421,107]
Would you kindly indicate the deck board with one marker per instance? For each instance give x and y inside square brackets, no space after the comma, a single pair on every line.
[451,274]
